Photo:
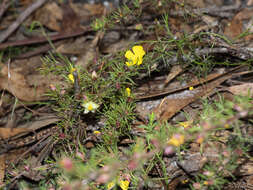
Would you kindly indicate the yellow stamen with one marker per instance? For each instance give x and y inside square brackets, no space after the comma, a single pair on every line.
[90,107]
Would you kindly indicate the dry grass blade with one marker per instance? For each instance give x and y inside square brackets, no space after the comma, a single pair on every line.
[2,167]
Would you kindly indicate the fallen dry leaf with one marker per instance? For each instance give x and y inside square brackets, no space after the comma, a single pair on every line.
[175,70]
[120,45]
[50,15]
[25,81]
[181,97]
[195,3]
[243,89]
[91,52]
[175,102]
[77,47]
[151,92]
[86,11]
[179,25]
[71,21]
[40,122]
[6,133]
[238,23]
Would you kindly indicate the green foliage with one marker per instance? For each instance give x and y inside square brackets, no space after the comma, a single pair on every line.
[105,84]
[119,117]
[99,24]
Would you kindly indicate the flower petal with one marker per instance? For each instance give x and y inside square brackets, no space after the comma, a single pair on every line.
[90,107]
[96,132]
[124,184]
[139,61]
[96,106]
[176,140]
[138,51]
[128,92]
[133,61]
[71,78]
[129,64]
[129,55]
[110,185]
[86,111]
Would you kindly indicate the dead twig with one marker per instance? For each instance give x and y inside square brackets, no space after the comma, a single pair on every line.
[37,51]
[223,11]
[21,19]
[44,39]
[236,52]
[4,6]
[221,48]
[31,148]
[194,84]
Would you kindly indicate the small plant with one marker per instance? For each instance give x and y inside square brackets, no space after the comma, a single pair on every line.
[104,93]
[99,24]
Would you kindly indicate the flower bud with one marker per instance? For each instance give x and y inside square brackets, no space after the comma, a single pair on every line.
[67,164]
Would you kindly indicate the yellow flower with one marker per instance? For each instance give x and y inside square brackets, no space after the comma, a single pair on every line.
[186,124]
[135,57]
[206,183]
[191,88]
[185,181]
[110,185]
[96,132]
[176,140]
[90,107]
[71,76]
[124,184]
[72,69]
[128,92]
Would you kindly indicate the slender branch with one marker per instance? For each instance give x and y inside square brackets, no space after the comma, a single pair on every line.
[224,11]
[20,19]
[4,6]
[44,39]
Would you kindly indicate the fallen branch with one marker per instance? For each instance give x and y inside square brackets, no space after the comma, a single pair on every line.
[223,11]
[43,39]
[37,51]
[4,6]
[20,20]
